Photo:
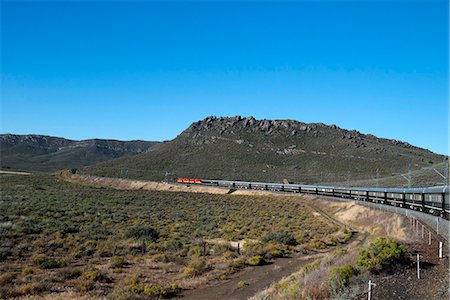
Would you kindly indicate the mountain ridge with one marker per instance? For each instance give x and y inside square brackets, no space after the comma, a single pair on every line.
[244,148]
[35,152]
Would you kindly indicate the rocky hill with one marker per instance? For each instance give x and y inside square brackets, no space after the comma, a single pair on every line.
[47,153]
[271,150]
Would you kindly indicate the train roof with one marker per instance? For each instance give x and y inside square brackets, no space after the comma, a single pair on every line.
[428,190]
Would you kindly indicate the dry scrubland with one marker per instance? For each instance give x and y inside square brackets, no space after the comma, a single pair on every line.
[62,239]
[381,248]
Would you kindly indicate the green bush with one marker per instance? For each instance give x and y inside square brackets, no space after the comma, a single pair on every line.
[241,284]
[276,253]
[94,275]
[155,291]
[281,237]
[117,262]
[256,260]
[44,262]
[340,277]
[143,232]
[195,267]
[4,253]
[69,273]
[381,253]
[317,244]
[135,289]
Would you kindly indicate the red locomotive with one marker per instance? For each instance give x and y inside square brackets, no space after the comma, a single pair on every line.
[188,180]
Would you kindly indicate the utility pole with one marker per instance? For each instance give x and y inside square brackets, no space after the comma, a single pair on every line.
[445,175]
[348,178]
[408,177]
[376,178]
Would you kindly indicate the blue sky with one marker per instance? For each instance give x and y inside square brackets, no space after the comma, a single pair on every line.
[146,69]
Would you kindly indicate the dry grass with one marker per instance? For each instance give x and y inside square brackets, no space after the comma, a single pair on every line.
[311,282]
[364,219]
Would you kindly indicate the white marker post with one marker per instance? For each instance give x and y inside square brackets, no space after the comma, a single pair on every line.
[418,266]
[437,225]
[422,231]
[429,237]
[440,250]
[370,289]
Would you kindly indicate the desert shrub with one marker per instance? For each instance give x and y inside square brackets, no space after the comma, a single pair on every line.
[276,253]
[67,227]
[256,260]
[6,278]
[135,289]
[221,248]
[381,253]
[281,237]
[311,266]
[95,275]
[172,245]
[98,231]
[86,286]
[344,236]
[241,284]
[45,262]
[143,232]
[195,267]
[117,262]
[339,277]
[33,288]
[317,244]
[27,271]
[253,248]
[237,264]
[4,253]
[161,257]
[155,291]
[30,227]
[69,273]
[196,251]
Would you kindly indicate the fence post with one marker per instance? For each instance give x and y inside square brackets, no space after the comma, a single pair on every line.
[422,231]
[370,289]
[418,266]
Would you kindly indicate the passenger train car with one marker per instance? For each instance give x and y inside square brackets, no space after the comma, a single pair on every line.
[432,200]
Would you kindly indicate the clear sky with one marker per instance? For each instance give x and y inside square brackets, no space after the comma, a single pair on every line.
[146,69]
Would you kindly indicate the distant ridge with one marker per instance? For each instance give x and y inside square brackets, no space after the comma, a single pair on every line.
[47,153]
[244,148]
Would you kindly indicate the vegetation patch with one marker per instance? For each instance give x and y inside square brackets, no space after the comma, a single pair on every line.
[281,237]
[256,260]
[382,254]
[91,240]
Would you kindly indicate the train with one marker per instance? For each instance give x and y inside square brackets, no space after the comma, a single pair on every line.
[432,200]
